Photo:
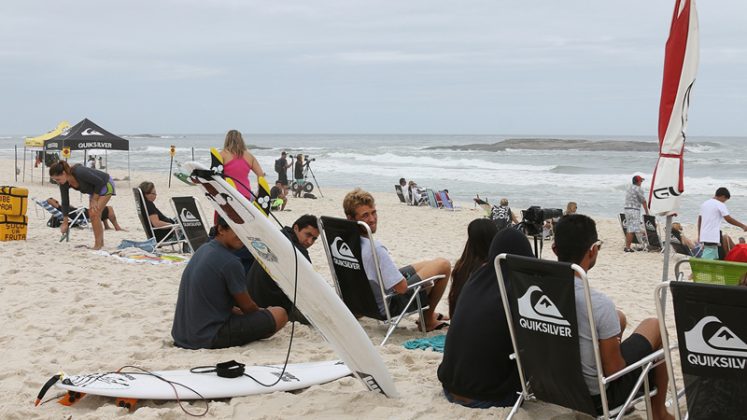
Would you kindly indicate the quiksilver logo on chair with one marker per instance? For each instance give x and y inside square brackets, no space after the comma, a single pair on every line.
[713,344]
[542,315]
[342,255]
[188,219]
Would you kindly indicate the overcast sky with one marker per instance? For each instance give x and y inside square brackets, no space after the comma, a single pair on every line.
[378,66]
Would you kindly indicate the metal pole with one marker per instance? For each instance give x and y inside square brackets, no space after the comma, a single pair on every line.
[15,151]
[667,238]
[193,153]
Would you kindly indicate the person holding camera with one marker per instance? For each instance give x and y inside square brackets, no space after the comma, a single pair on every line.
[298,175]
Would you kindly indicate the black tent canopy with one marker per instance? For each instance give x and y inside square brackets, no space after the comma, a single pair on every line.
[87,135]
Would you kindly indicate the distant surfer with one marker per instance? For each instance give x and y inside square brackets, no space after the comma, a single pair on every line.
[359,205]
[214,309]
[263,288]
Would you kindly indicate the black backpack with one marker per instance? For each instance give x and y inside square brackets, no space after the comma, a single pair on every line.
[278,166]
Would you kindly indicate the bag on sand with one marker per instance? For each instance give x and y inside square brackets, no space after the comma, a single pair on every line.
[309,195]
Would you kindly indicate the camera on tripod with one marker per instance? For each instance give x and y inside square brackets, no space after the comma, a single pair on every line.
[307,159]
[534,217]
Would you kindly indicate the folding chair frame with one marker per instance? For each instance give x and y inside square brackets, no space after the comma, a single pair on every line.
[416,287]
[646,364]
[173,229]
[78,217]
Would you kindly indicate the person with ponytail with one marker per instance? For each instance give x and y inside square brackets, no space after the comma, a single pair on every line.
[238,162]
[97,184]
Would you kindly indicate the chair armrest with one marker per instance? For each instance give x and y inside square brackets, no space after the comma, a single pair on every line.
[655,358]
[425,281]
[171,226]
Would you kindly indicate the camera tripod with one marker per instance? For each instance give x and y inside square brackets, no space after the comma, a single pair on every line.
[307,186]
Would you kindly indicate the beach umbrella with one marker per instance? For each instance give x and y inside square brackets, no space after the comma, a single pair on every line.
[680,65]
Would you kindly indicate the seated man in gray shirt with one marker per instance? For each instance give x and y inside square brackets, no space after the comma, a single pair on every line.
[359,205]
[214,309]
[576,241]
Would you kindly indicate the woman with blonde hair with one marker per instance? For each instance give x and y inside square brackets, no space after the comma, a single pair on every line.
[97,184]
[238,162]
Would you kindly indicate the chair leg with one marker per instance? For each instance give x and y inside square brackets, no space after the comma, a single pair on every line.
[402,315]
[516,406]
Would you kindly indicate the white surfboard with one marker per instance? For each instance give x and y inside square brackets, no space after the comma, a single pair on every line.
[316,299]
[192,386]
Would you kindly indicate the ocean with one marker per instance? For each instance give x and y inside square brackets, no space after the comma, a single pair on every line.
[547,177]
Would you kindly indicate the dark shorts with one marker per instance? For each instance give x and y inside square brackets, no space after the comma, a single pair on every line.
[397,303]
[470,403]
[283,179]
[243,329]
[633,349]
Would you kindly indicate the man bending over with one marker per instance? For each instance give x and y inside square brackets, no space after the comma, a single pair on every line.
[576,241]
[359,206]
[213,309]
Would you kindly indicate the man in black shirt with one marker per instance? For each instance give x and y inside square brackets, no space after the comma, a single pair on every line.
[263,288]
[281,167]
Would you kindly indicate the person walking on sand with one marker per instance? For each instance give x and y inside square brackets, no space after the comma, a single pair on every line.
[97,184]
[634,199]
[712,212]
[359,205]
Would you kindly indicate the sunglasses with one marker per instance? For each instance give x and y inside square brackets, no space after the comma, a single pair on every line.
[598,244]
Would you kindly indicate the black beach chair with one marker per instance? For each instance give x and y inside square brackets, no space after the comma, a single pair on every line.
[540,306]
[400,193]
[342,244]
[712,337]
[189,217]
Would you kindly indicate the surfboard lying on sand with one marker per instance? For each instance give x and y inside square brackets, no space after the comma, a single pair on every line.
[192,386]
[315,298]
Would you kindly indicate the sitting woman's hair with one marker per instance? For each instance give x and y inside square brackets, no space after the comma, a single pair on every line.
[146,187]
[59,167]
[356,198]
[480,233]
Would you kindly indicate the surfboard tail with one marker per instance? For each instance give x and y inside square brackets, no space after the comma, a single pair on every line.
[263,201]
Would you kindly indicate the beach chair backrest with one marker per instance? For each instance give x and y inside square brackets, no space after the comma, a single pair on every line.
[717,272]
[189,217]
[712,337]
[431,198]
[539,299]
[342,244]
[652,232]
[142,214]
[445,200]
[400,193]
[680,248]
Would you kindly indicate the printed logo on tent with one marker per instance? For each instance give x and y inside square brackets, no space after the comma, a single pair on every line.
[343,256]
[719,349]
[90,132]
[188,219]
[543,315]
[263,250]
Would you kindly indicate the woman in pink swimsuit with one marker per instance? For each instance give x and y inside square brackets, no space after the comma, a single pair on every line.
[238,162]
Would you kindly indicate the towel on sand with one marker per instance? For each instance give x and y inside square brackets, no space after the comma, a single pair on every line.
[437,343]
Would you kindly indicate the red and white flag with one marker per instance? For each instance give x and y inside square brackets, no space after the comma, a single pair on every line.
[680,65]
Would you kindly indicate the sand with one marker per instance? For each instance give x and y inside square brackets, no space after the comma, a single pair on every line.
[66,309]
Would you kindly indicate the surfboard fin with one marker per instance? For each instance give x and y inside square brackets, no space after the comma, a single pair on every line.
[128,403]
[53,380]
[263,201]
[71,398]
[216,161]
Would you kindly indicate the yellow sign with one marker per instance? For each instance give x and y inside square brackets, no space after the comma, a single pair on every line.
[172,152]
[66,152]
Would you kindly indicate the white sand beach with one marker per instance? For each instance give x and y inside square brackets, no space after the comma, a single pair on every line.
[66,309]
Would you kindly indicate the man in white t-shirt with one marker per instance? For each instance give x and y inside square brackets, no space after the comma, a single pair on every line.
[576,241]
[712,212]
[359,205]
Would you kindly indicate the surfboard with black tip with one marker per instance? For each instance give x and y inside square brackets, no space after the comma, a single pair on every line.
[262,199]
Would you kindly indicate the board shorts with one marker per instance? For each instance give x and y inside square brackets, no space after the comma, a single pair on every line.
[710,252]
[633,349]
[108,189]
[632,220]
[397,303]
[243,329]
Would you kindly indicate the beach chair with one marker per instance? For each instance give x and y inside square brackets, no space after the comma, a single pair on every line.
[342,244]
[169,235]
[189,217]
[711,337]
[652,232]
[400,193]
[540,305]
[720,272]
[76,218]
[446,202]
